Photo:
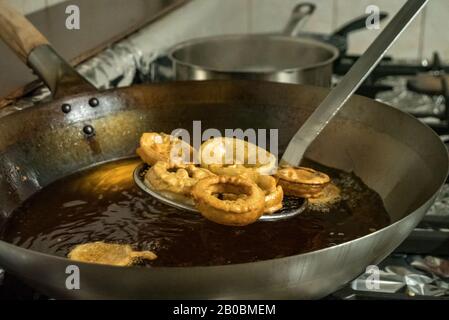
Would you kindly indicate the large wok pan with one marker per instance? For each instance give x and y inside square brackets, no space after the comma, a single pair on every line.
[396,155]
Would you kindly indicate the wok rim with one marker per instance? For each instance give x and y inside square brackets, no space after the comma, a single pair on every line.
[141,269]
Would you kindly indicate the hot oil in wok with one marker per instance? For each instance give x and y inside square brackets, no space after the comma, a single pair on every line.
[103,204]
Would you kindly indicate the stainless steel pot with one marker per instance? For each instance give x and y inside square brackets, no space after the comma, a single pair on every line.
[271,57]
[257,57]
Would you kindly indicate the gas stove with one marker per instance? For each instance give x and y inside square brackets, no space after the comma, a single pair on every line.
[419,267]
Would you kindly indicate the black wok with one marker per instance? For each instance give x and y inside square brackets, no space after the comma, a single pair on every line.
[396,155]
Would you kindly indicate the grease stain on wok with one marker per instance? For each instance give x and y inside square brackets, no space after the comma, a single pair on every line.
[103,204]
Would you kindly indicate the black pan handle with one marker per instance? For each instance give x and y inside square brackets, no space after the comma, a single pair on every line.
[300,12]
[356,24]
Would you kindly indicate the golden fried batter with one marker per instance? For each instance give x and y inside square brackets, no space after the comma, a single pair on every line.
[175,181]
[328,196]
[108,253]
[235,155]
[273,193]
[241,211]
[301,182]
[163,147]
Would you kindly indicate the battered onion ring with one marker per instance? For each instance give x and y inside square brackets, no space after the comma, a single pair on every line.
[328,196]
[108,253]
[239,212]
[234,170]
[156,147]
[233,155]
[273,193]
[301,182]
[175,181]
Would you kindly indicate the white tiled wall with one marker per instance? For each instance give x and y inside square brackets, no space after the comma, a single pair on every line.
[407,46]
[331,14]
[429,31]
[271,15]
[436,31]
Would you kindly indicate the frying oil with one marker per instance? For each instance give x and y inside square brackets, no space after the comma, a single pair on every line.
[103,204]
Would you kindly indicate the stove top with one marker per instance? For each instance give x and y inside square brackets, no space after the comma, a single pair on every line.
[419,267]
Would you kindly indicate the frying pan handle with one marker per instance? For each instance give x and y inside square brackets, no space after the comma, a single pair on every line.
[35,50]
[18,33]
[356,24]
[299,14]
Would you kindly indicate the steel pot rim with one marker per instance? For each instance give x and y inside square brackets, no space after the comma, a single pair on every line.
[268,36]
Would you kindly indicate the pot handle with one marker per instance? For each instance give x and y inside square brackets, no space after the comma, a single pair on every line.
[35,50]
[356,24]
[299,14]
[18,33]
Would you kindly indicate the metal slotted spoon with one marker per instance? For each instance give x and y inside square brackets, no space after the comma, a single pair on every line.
[327,109]
[291,206]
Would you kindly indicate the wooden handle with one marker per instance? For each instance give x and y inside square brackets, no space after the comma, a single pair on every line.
[17,32]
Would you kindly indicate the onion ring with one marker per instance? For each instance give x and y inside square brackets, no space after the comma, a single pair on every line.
[156,147]
[301,182]
[175,181]
[326,197]
[242,211]
[273,193]
[234,170]
[108,253]
[232,154]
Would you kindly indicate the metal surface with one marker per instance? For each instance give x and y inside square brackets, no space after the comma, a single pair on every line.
[350,82]
[290,209]
[297,19]
[402,159]
[279,58]
[58,75]
[260,57]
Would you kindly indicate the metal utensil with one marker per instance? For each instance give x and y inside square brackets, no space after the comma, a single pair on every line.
[298,18]
[278,57]
[328,108]
[292,206]
[407,169]
[350,82]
